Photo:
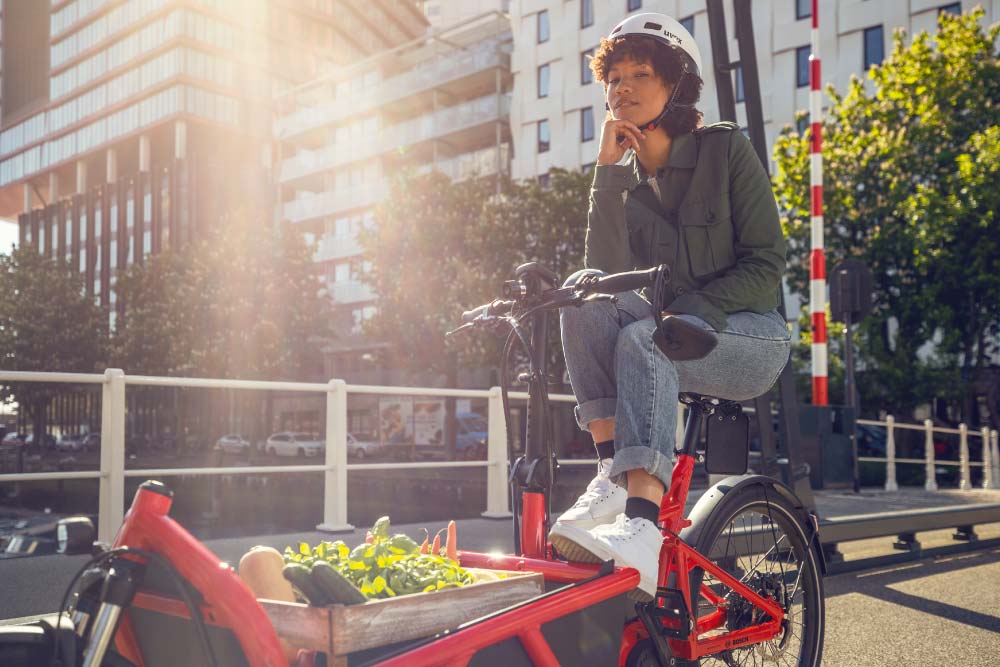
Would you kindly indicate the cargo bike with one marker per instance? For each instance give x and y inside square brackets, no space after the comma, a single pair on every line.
[739,583]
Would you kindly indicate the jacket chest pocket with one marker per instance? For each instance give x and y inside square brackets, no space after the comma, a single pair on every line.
[708,235]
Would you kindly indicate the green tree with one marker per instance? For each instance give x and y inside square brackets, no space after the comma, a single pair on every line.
[244,302]
[909,171]
[157,330]
[438,248]
[47,323]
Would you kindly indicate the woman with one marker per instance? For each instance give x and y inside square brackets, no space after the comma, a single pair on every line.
[665,191]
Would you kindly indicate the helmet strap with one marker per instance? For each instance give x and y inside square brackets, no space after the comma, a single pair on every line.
[671,105]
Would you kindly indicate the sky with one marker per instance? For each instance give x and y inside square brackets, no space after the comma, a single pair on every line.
[8,235]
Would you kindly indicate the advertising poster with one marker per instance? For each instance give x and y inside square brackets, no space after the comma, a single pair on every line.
[428,422]
[395,421]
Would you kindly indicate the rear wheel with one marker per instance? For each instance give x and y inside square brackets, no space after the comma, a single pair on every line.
[762,540]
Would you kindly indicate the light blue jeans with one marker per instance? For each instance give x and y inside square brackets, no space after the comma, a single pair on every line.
[617,371]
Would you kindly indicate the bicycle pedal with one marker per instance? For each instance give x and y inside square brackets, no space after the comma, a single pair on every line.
[669,604]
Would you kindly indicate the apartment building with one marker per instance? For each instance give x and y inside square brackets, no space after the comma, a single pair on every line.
[128,126]
[437,102]
[558,109]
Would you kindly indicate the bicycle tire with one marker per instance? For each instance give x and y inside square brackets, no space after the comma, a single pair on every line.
[764,509]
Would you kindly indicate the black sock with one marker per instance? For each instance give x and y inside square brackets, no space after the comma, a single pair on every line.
[640,508]
[605,450]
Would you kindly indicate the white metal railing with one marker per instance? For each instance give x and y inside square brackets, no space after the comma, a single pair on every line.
[112,473]
[990,461]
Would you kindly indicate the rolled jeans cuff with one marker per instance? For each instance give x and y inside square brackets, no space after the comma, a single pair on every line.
[598,408]
[640,457]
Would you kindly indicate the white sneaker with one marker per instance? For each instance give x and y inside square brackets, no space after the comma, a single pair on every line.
[629,543]
[600,504]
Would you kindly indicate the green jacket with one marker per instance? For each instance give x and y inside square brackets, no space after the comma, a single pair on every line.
[713,221]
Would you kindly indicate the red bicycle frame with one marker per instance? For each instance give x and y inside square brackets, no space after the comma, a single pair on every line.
[229,602]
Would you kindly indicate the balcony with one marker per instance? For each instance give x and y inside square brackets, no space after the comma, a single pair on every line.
[483,162]
[351,291]
[444,122]
[426,76]
[336,247]
[331,203]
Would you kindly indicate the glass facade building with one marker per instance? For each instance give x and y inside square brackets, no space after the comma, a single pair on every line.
[158,115]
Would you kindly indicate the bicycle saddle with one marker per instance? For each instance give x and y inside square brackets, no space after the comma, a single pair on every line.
[707,403]
[681,340]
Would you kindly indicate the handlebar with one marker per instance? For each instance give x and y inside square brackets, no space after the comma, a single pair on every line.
[618,282]
[498,305]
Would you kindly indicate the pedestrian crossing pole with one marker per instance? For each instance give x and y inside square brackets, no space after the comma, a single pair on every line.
[817,264]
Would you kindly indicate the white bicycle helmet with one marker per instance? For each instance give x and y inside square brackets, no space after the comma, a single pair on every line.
[667,31]
[663,29]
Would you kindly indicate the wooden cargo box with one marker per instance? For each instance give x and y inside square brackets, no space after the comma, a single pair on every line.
[339,629]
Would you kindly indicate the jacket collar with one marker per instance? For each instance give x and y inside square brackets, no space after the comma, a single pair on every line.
[683,155]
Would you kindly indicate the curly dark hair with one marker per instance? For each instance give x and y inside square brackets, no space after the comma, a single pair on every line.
[667,65]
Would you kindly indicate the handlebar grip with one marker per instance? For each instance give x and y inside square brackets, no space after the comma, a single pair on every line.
[469,315]
[624,282]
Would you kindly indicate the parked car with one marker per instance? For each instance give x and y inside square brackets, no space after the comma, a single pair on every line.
[13,439]
[871,440]
[233,444]
[47,441]
[294,443]
[362,447]
[470,441]
[92,441]
[72,443]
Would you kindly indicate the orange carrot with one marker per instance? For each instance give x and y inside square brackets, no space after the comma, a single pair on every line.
[436,549]
[451,544]
[427,538]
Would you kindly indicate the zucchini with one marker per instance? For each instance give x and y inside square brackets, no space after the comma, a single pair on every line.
[298,575]
[334,585]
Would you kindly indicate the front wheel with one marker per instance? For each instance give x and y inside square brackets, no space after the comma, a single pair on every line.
[759,537]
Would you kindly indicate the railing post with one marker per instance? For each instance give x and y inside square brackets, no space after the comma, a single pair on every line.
[335,477]
[890,454]
[995,449]
[988,461]
[111,503]
[497,499]
[931,483]
[963,457]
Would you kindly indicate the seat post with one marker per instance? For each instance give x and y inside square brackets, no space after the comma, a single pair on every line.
[692,428]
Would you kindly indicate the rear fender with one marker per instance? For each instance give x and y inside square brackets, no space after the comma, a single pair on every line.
[707,504]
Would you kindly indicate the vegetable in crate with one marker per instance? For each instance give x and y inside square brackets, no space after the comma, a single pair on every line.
[383,566]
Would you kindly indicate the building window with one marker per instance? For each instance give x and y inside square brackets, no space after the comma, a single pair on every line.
[587,124]
[688,24]
[739,84]
[543,26]
[802,66]
[586,13]
[954,8]
[587,168]
[874,47]
[543,136]
[543,80]
[633,5]
[586,74]
[803,9]
[802,124]
[543,180]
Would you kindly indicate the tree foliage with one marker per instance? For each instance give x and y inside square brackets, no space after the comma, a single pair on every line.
[243,302]
[438,248]
[910,167]
[47,323]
